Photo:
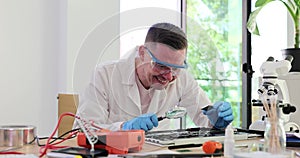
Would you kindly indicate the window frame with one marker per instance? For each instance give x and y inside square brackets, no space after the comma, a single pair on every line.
[246,60]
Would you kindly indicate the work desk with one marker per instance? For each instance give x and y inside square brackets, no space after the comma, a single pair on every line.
[241,146]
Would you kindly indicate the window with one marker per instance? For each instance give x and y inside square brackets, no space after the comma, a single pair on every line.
[135,36]
[214,30]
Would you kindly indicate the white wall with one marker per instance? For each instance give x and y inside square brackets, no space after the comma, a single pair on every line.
[30,47]
[138,15]
[51,46]
[93,27]
[39,44]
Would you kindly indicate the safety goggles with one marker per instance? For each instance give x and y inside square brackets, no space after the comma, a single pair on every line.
[164,67]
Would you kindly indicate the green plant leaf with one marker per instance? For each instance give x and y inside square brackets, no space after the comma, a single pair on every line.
[252,24]
[297,2]
[260,3]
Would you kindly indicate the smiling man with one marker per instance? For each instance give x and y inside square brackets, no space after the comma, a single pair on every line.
[160,68]
[132,92]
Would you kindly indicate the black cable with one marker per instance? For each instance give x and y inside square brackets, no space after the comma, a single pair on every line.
[55,138]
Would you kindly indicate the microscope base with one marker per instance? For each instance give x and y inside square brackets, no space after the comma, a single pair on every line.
[260,125]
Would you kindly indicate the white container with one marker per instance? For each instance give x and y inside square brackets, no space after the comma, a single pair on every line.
[229,142]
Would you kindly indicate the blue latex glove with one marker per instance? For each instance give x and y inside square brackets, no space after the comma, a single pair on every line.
[145,122]
[220,115]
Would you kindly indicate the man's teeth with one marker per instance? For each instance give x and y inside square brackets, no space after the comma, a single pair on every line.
[162,81]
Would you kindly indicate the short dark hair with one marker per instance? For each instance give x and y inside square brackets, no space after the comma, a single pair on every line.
[168,34]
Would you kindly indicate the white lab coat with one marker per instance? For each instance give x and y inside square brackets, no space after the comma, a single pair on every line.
[112,96]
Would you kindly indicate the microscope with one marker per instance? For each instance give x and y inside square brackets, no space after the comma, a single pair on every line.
[271,85]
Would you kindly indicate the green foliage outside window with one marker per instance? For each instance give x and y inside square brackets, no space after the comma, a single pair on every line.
[214,53]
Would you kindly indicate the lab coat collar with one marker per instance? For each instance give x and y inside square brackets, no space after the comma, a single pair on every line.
[127,71]
[127,67]
[158,100]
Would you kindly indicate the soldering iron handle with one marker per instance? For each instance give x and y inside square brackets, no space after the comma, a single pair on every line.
[160,118]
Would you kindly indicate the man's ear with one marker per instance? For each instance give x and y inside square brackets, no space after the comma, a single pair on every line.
[142,52]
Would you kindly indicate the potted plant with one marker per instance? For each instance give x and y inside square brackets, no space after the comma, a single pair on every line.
[293,8]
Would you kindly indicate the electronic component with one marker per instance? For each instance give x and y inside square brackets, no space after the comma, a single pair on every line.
[116,142]
[87,129]
[83,152]
[207,107]
[191,136]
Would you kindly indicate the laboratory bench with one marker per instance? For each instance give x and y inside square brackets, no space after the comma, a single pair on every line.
[150,150]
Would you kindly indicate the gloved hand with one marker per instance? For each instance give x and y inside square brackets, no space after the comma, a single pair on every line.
[144,122]
[220,115]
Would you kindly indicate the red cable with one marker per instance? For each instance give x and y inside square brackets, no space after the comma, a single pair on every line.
[9,152]
[66,138]
[54,145]
[43,150]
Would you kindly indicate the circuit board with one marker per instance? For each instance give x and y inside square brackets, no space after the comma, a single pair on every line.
[190,136]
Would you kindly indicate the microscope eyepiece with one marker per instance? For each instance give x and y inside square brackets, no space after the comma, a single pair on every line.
[288,108]
[289,58]
[270,58]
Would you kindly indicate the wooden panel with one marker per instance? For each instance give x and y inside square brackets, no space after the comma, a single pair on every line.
[66,103]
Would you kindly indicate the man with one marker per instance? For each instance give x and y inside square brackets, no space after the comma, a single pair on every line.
[132,92]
